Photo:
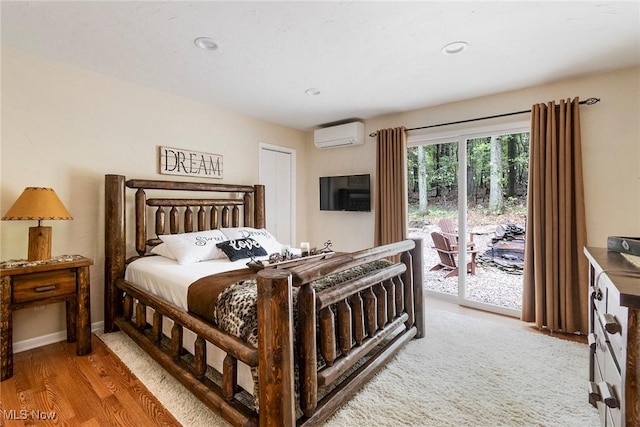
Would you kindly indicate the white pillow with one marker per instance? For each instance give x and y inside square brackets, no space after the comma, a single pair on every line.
[163,250]
[260,235]
[195,247]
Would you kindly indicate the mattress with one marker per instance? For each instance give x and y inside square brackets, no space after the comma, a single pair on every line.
[169,280]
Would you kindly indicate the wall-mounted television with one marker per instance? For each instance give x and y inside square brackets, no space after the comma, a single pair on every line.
[345,193]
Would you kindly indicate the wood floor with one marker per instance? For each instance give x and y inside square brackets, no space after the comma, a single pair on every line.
[93,390]
[98,390]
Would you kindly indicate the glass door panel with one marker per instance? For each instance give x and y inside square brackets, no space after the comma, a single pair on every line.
[433,208]
[496,193]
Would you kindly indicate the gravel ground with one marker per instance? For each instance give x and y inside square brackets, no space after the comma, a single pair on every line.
[490,284]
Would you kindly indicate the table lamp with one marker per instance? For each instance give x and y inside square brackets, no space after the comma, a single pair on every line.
[38,203]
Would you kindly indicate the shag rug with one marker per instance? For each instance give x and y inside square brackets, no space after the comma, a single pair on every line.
[465,372]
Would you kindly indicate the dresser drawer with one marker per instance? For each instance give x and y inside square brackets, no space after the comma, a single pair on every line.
[613,418]
[613,379]
[602,350]
[598,379]
[599,296]
[616,331]
[37,286]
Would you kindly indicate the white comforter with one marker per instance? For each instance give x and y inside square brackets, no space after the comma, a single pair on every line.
[165,278]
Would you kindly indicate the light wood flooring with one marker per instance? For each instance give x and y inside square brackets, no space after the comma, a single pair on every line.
[99,390]
[93,390]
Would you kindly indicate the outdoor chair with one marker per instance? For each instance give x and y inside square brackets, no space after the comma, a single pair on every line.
[450,231]
[449,256]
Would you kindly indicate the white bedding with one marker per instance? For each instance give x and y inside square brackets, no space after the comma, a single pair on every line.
[169,280]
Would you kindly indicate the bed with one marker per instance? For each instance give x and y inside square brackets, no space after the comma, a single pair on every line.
[321,326]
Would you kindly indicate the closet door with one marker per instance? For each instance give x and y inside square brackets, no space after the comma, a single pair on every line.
[277,174]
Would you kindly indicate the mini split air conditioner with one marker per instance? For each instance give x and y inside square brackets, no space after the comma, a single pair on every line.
[339,136]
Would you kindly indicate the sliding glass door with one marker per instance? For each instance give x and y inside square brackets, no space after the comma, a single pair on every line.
[433,199]
[467,200]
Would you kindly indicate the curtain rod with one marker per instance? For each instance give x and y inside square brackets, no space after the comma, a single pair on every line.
[588,101]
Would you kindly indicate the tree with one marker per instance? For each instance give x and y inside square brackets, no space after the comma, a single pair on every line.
[511,165]
[479,154]
[422,180]
[436,168]
[496,202]
[412,170]
[444,175]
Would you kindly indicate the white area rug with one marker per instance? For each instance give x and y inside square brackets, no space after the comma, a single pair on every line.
[466,372]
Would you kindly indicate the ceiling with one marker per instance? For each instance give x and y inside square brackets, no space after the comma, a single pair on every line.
[366,58]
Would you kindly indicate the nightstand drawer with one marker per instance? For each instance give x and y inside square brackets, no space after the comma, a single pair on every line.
[65,279]
[37,286]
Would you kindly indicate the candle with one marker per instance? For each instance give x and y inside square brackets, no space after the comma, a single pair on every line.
[304,248]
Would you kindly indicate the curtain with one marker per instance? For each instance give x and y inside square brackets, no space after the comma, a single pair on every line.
[391,186]
[555,288]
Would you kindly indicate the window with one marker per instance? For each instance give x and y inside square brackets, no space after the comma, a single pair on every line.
[475,179]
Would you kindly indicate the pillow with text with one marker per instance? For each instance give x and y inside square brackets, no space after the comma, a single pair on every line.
[195,247]
[242,248]
[260,235]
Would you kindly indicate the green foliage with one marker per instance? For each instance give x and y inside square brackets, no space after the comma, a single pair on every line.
[442,167]
[442,180]
[515,212]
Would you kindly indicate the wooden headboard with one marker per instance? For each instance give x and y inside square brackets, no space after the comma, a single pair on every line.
[220,206]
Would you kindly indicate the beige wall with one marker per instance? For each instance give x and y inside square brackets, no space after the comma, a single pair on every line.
[348,231]
[65,128]
[610,142]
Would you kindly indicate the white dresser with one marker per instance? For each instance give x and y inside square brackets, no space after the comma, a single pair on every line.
[614,338]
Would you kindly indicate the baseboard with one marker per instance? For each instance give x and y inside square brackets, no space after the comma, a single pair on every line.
[48,339]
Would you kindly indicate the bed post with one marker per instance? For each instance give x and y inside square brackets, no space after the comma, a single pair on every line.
[114,247]
[275,348]
[418,286]
[259,216]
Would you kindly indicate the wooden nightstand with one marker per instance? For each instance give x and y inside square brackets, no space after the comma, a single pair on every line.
[65,279]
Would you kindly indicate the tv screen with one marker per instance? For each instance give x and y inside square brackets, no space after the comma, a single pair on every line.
[345,193]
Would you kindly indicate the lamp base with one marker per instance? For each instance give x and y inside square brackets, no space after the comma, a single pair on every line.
[39,243]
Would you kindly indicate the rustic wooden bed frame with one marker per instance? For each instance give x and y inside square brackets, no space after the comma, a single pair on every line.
[358,325]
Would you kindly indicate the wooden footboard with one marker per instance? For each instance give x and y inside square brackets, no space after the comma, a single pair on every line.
[172,356]
[353,328]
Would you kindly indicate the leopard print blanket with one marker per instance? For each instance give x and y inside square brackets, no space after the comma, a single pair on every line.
[236,309]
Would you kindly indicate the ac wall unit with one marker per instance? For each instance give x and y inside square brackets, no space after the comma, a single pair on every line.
[340,135]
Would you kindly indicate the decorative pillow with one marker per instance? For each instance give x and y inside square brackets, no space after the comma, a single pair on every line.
[260,235]
[195,247]
[163,250]
[242,248]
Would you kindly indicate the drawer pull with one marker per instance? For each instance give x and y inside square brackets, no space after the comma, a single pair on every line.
[596,293]
[608,395]
[594,392]
[593,341]
[46,288]
[610,323]
[602,346]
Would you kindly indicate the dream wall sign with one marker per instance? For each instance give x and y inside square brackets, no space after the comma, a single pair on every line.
[176,161]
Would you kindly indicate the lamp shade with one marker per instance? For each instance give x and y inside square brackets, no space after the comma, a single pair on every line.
[37,203]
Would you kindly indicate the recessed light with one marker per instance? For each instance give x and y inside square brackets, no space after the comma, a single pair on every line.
[205,43]
[312,91]
[455,48]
